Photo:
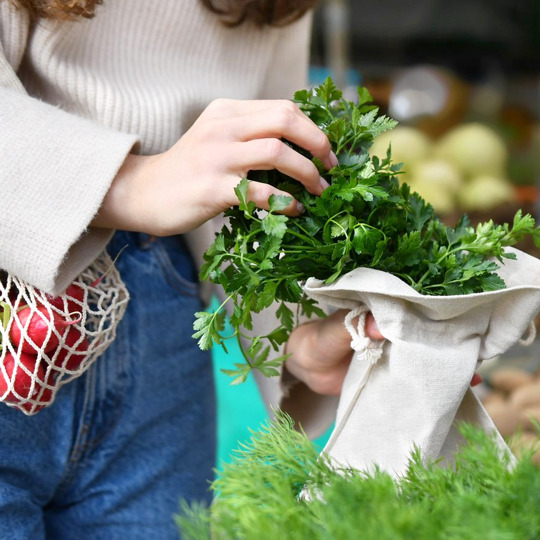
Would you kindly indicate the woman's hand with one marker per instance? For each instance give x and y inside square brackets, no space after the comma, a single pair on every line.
[178,190]
[321,352]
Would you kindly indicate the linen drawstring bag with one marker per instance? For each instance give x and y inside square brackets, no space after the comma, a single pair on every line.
[411,389]
[74,329]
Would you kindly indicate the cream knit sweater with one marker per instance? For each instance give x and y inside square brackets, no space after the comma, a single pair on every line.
[77,97]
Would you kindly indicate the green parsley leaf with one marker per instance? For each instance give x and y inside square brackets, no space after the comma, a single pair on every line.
[367,217]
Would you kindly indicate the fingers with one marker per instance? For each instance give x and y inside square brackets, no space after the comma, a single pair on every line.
[268,154]
[286,121]
[240,136]
[338,328]
[246,120]
[258,193]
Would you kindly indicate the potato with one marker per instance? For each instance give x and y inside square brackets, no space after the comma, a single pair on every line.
[508,379]
[505,416]
[526,396]
[529,416]
[493,397]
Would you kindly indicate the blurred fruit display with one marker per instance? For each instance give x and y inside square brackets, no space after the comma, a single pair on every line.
[464,170]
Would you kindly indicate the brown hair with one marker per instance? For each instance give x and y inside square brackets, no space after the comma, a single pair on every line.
[232,12]
[59,9]
[261,12]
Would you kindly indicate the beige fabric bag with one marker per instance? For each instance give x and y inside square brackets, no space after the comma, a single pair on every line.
[410,389]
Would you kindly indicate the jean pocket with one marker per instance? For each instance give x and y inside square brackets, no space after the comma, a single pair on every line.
[177,265]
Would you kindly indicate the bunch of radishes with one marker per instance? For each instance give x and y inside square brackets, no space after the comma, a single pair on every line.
[47,341]
[42,340]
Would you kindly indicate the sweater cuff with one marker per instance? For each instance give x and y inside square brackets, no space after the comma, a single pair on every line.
[56,170]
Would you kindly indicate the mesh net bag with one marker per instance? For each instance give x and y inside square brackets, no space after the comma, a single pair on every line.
[46,342]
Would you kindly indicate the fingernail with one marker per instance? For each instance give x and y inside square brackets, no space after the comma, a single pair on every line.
[333,159]
[324,183]
[300,207]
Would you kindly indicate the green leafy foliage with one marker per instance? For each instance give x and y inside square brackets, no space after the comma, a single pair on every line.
[258,495]
[365,218]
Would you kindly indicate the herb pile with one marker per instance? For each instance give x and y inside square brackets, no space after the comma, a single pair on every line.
[366,218]
[257,495]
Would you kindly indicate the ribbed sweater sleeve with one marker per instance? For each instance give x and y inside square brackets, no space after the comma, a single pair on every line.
[55,169]
[133,73]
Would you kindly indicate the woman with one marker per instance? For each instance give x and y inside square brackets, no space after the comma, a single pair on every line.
[141,120]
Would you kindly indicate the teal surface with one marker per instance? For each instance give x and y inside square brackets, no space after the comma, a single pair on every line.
[240,408]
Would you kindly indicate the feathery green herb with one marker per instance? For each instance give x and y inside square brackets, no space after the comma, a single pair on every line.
[257,495]
[366,218]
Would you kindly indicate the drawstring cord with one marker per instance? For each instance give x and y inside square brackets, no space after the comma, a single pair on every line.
[363,345]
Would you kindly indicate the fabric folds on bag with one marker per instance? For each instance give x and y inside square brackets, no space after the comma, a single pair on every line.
[415,390]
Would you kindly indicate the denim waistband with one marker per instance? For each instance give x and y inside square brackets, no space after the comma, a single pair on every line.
[143,241]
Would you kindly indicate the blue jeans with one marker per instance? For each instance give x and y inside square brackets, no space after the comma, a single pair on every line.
[123,443]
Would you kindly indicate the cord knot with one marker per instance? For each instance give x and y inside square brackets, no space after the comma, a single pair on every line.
[363,345]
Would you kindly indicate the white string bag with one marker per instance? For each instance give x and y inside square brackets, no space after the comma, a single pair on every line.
[412,389]
[46,342]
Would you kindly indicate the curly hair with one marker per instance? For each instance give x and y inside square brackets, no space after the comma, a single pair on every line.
[59,9]
[231,12]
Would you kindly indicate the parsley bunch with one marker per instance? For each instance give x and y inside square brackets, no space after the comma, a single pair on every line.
[365,218]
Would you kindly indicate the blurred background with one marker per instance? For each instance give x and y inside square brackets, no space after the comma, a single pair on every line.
[462,77]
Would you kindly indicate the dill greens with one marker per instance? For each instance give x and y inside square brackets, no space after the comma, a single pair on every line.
[257,495]
[365,218]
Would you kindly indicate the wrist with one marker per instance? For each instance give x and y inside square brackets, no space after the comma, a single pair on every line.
[121,207]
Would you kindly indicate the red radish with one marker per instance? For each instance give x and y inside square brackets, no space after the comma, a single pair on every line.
[32,329]
[39,403]
[74,298]
[22,381]
[42,396]
[31,407]
[76,342]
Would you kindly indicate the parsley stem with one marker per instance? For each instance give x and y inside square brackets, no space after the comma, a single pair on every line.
[305,232]
[444,256]
[406,277]
[306,237]
[343,229]
[290,249]
[242,350]
[216,311]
